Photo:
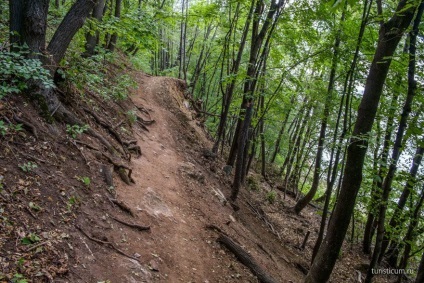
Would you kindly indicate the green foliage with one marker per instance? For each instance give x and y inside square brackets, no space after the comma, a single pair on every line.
[85,180]
[271,196]
[28,167]
[30,239]
[11,128]
[132,116]
[252,183]
[1,183]
[72,201]
[3,128]
[19,278]
[75,130]
[16,70]
[93,75]
[34,206]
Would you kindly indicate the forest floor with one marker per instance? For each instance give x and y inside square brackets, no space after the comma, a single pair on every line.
[55,226]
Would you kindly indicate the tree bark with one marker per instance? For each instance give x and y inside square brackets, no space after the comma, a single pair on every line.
[420,273]
[389,37]
[377,185]
[395,221]
[246,259]
[93,39]
[229,89]
[114,37]
[69,26]
[16,23]
[411,233]
[397,148]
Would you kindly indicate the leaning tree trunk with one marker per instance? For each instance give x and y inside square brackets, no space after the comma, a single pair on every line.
[395,221]
[229,89]
[377,185]
[303,202]
[34,23]
[389,37]
[411,234]
[397,148]
[420,272]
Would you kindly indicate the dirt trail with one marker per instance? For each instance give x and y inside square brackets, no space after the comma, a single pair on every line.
[159,193]
[175,193]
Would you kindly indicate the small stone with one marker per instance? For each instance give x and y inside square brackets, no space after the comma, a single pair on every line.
[153,265]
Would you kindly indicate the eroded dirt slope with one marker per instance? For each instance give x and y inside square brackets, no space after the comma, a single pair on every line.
[176,194]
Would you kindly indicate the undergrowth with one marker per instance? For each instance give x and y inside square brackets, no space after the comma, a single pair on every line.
[100,73]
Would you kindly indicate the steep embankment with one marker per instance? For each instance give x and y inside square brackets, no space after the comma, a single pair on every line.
[176,194]
[61,222]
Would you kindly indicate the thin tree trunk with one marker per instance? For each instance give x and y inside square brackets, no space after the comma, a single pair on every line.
[395,221]
[420,272]
[229,89]
[300,205]
[375,196]
[397,148]
[114,37]
[281,132]
[411,234]
[93,39]
[389,37]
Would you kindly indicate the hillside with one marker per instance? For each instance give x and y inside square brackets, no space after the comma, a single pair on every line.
[56,227]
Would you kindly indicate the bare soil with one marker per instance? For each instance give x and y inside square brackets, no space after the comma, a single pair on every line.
[56,228]
[175,193]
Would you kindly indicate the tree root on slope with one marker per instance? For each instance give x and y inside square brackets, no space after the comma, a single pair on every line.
[135,226]
[109,244]
[246,259]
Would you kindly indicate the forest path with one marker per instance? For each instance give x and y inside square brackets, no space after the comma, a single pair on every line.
[174,243]
[175,193]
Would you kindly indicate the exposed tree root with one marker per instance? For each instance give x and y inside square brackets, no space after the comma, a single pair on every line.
[123,206]
[135,226]
[26,124]
[119,167]
[246,259]
[215,228]
[262,217]
[110,128]
[107,173]
[109,147]
[124,177]
[109,244]
[145,122]
[87,145]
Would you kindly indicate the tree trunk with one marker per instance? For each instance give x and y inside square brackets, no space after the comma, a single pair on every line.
[411,233]
[397,148]
[114,37]
[377,185]
[93,39]
[420,272]
[389,37]
[395,221]
[34,23]
[16,23]
[229,89]
[35,27]
[241,152]
[303,202]
[281,132]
